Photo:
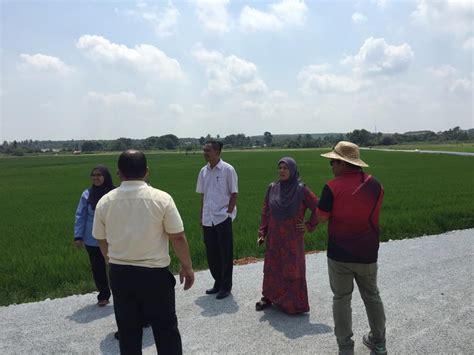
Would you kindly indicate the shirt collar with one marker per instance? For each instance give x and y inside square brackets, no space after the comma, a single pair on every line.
[132,184]
[218,165]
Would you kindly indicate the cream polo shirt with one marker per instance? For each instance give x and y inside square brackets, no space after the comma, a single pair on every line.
[135,219]
[217,185]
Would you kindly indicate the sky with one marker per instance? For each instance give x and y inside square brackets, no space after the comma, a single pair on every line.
[110,69]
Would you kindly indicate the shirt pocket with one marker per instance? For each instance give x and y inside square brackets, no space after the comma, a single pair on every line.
[221,184]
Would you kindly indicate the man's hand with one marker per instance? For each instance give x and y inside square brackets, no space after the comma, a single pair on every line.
[186,275]
[78,243]
[260,240]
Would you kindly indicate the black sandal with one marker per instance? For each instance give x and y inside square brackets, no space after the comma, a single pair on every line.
[262,304]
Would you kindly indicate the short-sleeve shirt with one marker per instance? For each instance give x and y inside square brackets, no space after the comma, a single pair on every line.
[352,203]
[217,184]
[136,219]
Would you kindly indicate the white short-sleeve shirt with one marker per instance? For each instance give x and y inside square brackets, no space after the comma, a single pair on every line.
[136,219]
[217,184]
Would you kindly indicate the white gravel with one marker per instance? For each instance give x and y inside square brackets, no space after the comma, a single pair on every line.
[426,285]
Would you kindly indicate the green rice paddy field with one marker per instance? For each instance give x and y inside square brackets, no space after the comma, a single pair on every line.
[424,194]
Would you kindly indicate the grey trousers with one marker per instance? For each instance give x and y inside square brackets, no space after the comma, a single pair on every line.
[341,278]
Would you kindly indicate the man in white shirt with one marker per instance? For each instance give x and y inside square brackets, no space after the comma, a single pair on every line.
[217,182]
[133,225]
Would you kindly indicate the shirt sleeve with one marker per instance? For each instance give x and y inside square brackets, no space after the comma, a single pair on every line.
[81,216]
[98,228]
[200,183]
[172,220]
[232,181]
[325,203]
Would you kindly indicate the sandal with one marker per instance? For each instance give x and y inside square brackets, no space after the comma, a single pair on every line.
[262,304]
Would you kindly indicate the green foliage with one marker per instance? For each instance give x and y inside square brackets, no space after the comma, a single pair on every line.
[90,146]
[424,194]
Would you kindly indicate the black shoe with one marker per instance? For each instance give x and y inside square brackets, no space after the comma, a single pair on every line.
[262,304]
[211,291]
[222,294]
[117,335]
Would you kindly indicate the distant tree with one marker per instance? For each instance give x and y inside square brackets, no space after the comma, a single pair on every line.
[388,140]
[294,144]
[90,146]
[173,139]
[121,144]
[5,147]
[360,137]
[18,152]
[202,140]
[267,138]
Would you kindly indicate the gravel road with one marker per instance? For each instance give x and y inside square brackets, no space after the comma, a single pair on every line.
[426,285]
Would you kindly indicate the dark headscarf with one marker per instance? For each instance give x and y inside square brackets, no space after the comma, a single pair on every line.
[284,197]
[96,192]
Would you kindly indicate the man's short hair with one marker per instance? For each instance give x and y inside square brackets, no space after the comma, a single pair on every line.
[132,164]
[216,145]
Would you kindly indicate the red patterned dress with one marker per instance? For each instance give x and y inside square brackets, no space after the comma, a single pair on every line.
[284,270]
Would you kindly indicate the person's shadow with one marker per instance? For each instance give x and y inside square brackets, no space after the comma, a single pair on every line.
[91,313]
[293,326]
[212,307]
[110,345]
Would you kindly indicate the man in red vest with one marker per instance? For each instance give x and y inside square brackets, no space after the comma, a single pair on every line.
[351,204]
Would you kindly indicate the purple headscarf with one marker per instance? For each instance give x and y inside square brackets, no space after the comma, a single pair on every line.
[96,192]
[284,197]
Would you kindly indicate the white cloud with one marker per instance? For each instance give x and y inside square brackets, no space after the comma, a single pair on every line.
[229,74]
[124,98]
[291,12]
[176,109]
[450,80]
[376,57]
[213,14]
[314,78]
[453,16]
[143,57]
[42,62]
[285,13]
[252,20]
[382,4]
[468,44]
[162,19]
[358,18]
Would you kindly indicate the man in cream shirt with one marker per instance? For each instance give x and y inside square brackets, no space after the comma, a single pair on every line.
[133,225]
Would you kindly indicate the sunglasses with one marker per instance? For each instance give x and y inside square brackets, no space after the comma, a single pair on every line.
[96,175]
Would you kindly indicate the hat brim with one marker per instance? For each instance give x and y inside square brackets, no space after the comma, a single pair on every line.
[334,155]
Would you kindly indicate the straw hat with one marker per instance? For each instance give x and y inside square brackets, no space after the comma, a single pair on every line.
[346,151]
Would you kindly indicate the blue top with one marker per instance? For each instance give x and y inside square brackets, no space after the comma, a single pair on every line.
[84,221]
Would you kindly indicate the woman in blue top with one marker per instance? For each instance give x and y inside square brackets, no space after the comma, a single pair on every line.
[101,184]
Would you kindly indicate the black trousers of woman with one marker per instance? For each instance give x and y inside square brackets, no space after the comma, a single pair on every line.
[219,249]
[99,272]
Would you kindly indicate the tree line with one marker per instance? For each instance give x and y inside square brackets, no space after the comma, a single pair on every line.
[171,142]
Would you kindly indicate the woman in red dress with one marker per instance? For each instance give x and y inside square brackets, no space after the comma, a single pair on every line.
[282,229]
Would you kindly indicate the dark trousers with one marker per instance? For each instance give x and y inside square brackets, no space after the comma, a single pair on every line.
[219,249]
[99,272]
[142,295]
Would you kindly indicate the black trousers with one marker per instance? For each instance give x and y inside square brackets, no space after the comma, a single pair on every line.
[142,295]
[219,242]
[99,272]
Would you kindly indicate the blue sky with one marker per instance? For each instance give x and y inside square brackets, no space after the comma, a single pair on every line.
[109,69]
